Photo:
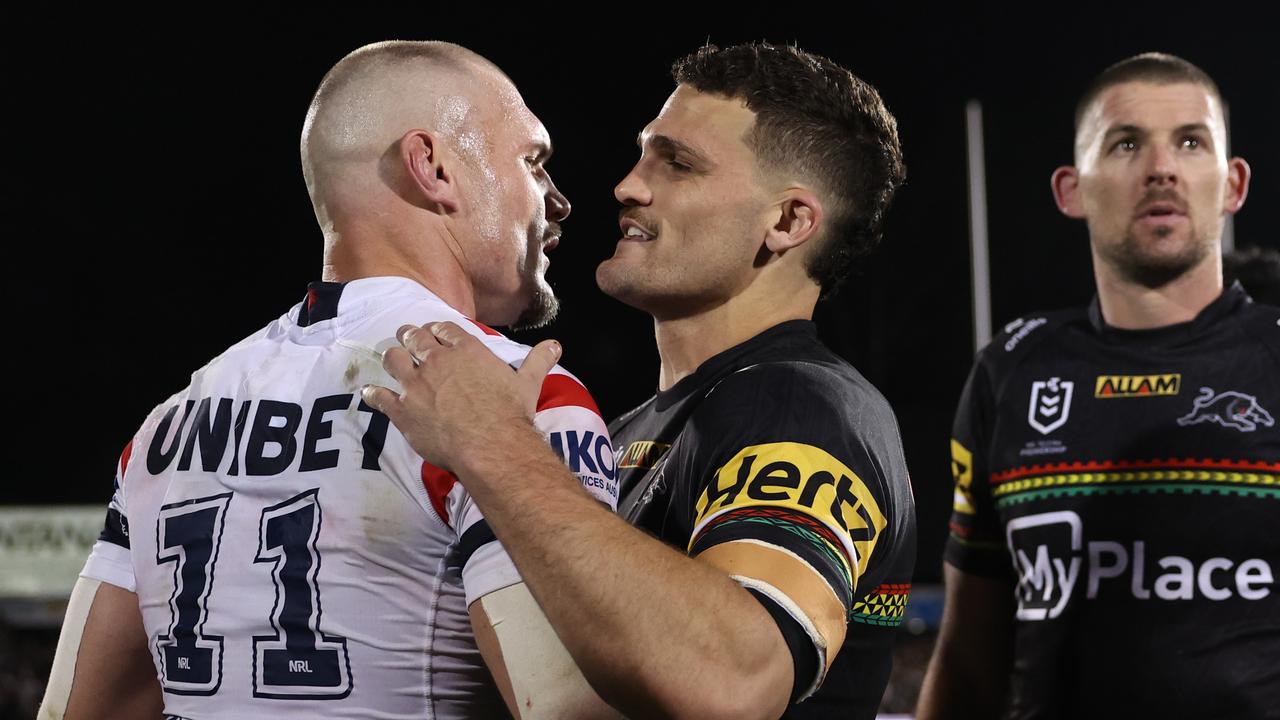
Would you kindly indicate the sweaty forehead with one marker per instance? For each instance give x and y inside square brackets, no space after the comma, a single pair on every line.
[509,120]
[527,132]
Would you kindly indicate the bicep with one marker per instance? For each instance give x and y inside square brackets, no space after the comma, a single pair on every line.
[491,648]
[977,607]
[794,599]
[795,580]
[103,667]
[533,670]
[972,658]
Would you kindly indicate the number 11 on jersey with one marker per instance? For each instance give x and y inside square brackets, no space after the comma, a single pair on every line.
[297,660]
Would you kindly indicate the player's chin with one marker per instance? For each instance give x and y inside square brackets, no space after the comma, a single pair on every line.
[1154,268]
[636,288]
[541,308]
[614,278]
[1165,235]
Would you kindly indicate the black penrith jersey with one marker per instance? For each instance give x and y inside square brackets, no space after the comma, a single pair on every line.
[779,442]
[1128,485]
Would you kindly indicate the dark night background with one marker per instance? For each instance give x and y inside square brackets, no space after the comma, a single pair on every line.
[160,213]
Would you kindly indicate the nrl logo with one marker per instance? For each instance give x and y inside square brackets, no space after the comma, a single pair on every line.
[1229,409]
[1050,404]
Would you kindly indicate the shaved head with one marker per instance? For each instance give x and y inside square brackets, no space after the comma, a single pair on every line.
[422,160]
[378,92]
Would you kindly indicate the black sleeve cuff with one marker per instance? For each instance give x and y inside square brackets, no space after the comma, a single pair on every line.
[804,656]
[116,529]
[473,538]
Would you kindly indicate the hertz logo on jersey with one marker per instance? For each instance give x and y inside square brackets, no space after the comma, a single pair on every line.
[1126,386]
[800,478]
[962,471]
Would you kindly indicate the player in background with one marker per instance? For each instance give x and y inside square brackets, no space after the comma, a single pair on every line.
[1112,549]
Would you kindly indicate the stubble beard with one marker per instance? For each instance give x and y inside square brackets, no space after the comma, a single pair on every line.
[1155,270]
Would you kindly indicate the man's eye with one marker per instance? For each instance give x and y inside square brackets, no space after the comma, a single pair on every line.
[1126,145]
[1191,142]
[678,166]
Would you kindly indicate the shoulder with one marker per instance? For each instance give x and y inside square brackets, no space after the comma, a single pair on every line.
[1021,341]
[561,388]
[1262,323]
[822,412]
[809,385]
[1022,336]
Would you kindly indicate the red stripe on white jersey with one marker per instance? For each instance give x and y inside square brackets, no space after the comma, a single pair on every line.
[438,483]
[485,328]
[124,457]
[562,390]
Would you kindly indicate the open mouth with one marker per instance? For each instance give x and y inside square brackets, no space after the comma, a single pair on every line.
[635,232]
[1160,211]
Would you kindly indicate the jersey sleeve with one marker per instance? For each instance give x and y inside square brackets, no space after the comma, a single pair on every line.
[568,417]
[975,543]
[807,462]
[109,561]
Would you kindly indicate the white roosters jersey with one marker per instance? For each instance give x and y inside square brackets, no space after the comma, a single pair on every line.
[292,555]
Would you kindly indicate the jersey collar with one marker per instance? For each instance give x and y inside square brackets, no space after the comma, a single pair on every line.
[1231,299]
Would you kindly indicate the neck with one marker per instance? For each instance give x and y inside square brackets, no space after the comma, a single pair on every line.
[357,248]
[686,342]
[1132,306]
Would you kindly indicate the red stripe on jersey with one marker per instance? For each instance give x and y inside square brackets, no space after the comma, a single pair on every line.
[562,390]
[487,330]
[893,589]
[438,483]
[1078,466]
[124,457]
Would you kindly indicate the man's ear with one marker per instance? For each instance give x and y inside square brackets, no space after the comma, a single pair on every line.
[1238,175]
[1065,183]
[800,218]
[429,173]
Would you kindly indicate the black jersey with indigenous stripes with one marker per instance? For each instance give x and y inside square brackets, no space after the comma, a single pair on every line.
[778,441]
[1128,485]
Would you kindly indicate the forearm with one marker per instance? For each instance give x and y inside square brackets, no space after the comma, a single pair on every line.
[656,633]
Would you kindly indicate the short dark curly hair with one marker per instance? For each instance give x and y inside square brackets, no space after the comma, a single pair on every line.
[818,120]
